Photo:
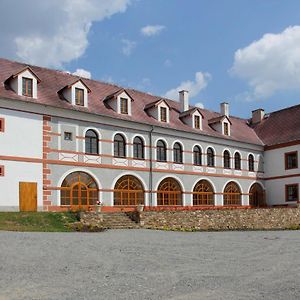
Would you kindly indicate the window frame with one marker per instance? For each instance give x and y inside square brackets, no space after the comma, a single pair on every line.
[210,157]
[197,120]
[197,161]
[118,145]
[25,87]
[92,141]
[124,108]
[251,163]
[287,186]
[177,153]
[226,128]
[228,160]
[163,116]
[2,171]
[138,148]
[161,151]
[286,155]
[79,91]
[66,133]
[237,161]
[2,124]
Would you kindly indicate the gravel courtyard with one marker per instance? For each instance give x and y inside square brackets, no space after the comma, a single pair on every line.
[144,264]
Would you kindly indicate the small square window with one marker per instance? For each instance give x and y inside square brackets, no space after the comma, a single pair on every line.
[291,160]
[79,96]
[1,170]
[124,106]
[291,192]
[2,127]
[197,122]
[226,129]
[163,114]
[27,86]
[68,136]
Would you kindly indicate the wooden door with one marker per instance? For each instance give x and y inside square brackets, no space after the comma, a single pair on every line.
[28,196]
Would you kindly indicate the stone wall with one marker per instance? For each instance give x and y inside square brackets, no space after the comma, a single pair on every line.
[225,219]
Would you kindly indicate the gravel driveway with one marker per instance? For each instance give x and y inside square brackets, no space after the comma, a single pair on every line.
[144,264]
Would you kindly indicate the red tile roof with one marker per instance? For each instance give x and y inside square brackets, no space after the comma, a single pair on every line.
[52,81]
[280,127]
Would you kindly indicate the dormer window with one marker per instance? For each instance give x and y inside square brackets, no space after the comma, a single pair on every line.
[79,96]
[163,114]
[124,106]
[27,87]
[197,122]
[226,128]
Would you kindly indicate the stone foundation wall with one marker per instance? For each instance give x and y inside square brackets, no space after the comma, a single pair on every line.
[225,219]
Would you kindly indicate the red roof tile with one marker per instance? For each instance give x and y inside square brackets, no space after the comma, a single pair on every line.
[52,81]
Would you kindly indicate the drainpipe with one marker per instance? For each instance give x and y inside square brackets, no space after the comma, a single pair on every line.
[151,167]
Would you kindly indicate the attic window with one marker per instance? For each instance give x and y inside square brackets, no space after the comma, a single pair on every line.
[79,96]
[163,114]
[197,122]
[226,129]
[124,106]
[27,87]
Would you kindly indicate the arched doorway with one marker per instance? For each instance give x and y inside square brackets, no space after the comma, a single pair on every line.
[256,195]
[232,194]
[169,192]
[79,190]
[203,193]
[129,191]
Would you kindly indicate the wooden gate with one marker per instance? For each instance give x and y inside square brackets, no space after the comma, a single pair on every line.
[28,196]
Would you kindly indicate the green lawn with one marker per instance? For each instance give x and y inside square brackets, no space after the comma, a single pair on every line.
[37,221]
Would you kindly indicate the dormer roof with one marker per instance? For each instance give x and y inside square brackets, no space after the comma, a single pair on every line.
[190,112]
[27,68]
[156,103]
[71,84]
[115,94]
[218,120]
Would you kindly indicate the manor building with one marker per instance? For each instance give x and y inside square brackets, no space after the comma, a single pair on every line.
[67,142]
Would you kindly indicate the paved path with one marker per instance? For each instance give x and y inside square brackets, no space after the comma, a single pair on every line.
[142,264]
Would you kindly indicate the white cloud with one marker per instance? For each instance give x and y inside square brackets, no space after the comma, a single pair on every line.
[152,30]
[128,46]
[51,32]
[270,64]
[199,104]
[194,87]
[83,73]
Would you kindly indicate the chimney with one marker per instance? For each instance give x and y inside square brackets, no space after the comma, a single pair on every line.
[257,115]
[224,108]
[184,100]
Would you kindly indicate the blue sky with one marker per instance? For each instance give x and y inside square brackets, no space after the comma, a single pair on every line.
[195,46]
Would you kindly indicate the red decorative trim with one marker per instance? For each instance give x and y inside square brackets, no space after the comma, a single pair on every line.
[2,124]
[286,160]
[2,173]
[283,176]
[282,145]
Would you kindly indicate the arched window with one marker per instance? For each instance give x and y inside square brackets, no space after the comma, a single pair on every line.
[79,189]
[197,156]
[119,146]
[91,142]
[169,192]
[128,191]
[177,153]
[251,163]
[237,161]
[226,159]
[257,195]
[203,193]
[210,157]
[138,148]
[161,151]
[232,194]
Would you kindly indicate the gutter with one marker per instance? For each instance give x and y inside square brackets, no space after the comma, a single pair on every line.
[151,167]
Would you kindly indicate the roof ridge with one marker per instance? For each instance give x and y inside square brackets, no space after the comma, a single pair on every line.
[283,109]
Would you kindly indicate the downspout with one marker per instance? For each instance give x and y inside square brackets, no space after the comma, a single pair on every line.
[151,167]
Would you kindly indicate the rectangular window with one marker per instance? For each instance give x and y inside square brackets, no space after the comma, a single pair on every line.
[2,125]
[1,170]
[226,129]
[197,122]
[291,192]
[291,160]
[27,87]
[79,97]
[163,114]
[68,136]
[124,106]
